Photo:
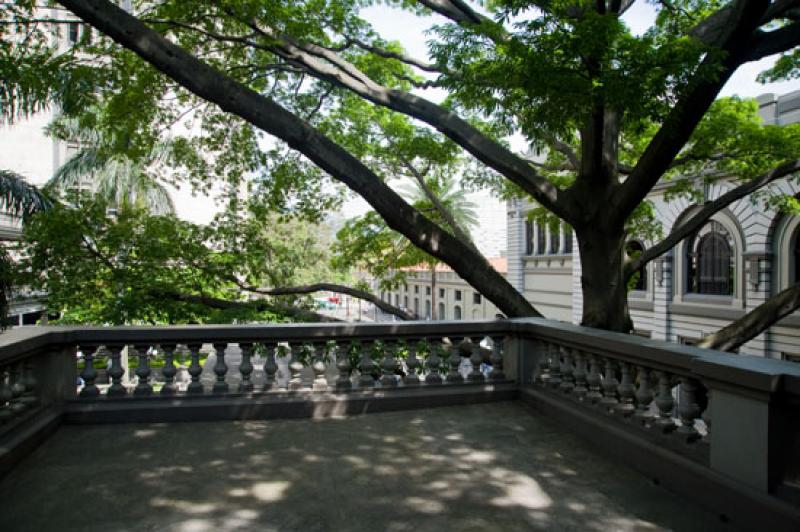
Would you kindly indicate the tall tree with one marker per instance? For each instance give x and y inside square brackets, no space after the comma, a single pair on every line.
[620,110]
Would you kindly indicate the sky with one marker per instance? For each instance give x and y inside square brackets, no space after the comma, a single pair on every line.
[395,24]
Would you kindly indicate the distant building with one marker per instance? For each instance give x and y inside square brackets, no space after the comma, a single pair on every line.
[451,298]
[736,261]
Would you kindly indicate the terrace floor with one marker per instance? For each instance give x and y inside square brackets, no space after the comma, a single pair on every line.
[466,468]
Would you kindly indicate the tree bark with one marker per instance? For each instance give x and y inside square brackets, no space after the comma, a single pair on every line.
[605,293]
[753,323]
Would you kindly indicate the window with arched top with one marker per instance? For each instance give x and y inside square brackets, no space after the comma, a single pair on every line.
[710,260]
[796,256]
[456,312]
[634,248]
[442,314]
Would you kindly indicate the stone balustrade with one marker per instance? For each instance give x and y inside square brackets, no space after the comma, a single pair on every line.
[687,416]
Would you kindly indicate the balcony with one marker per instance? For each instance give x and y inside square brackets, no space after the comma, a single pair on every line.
[498,425]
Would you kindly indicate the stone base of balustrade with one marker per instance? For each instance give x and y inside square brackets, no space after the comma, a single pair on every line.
[679,467]
[20,437]
[281,404]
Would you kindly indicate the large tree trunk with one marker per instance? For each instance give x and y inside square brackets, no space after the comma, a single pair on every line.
[605,294]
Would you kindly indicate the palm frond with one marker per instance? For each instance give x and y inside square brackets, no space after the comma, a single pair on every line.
[19,198]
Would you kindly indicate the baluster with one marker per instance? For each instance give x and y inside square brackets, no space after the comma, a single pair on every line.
[6,395]
[220,368]
[567,382]
[270,366]
[688,409]
[593,380]
[664,402]
[116,372]
[432,363]
[89,376]
[143,387]
[296,367]
[542,375]
[497,359]
[17,389]
[246,367]
[343,381]
[644,395]
[476,359]
[610,384]
[195,369]
[366,366]
[29,396]
[389,363]
[626,391]
[412,363]
[318,365]
[454,376]
[169,370]
[555,366]
[580,389]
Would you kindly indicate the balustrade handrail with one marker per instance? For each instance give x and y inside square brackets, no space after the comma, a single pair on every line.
[758,374]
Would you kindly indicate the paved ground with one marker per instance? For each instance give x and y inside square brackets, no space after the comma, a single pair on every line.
[483,467]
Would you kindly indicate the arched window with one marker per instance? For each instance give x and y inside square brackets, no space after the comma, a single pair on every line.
[416,306]
[634,248]
[796,246]
[555,241]
[528,237]
[442,313]
[456,312]
[567,240]
[710,261]
[427,310]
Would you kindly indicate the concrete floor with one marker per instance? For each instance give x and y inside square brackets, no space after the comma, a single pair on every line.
[482,467]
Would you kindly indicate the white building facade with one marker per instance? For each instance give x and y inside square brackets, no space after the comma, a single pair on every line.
[741,257]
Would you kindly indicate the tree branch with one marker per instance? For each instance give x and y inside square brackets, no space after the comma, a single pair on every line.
[766,43]
[456,10]
[262,112]
[693,103]
[331,287]
[709,210]
[754,322]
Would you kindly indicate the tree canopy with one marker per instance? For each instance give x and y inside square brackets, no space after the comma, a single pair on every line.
[616,111]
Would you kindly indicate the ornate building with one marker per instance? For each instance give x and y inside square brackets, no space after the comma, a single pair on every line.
[741,257]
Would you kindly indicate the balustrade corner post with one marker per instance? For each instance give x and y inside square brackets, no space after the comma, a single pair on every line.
[432,363]
[89,375]
[496,359]
[246,367]
[567,380]
[343,365]
[625,390]
[579,374]
[644,396]
[318,366]
[169,370]
[270,365]
[115,371]
[454,375]
[220,368]
[412,363]
[143,386]
[389,364]
[195,369]
[476,359]
[296,367]
[366,366]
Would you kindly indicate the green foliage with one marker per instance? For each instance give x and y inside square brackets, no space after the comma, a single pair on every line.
[129,267]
